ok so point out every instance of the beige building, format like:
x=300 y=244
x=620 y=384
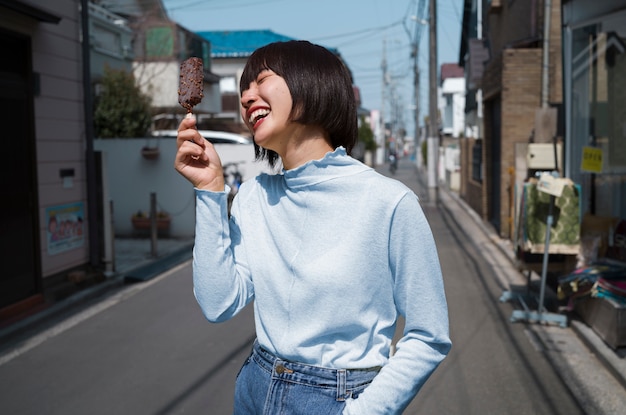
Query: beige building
x=46 y=210
x=503 y=54
x=53 y=215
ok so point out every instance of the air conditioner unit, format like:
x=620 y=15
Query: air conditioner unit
x=540 y=156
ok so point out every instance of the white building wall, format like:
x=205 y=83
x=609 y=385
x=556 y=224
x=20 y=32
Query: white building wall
x=453 y=110
x=160 y=81
x=131 y=179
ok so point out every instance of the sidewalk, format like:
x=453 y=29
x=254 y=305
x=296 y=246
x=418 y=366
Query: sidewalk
x=594 y=373
x=133 y=263
x=134 y=260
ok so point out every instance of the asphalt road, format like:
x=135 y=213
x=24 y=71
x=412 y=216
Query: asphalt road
x=146 y=349
x=494 y=367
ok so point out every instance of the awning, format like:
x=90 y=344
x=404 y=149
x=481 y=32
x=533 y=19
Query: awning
x=31 y=11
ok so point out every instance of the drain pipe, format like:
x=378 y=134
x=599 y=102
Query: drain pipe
x=90 y=160
x=547 y=13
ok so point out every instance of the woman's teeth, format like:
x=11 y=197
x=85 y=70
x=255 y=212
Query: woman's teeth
x=258 y=114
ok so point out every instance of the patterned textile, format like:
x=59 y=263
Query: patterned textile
x=565 y=231
x=601 y=279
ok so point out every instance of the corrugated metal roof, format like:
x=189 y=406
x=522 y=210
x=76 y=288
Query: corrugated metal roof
x=239 y=43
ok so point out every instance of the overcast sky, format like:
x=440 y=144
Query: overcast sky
x=358 y=29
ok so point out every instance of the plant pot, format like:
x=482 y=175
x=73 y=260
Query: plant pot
x=144 y=223
x=150 y=153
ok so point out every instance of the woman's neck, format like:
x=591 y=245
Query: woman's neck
x=309 y=143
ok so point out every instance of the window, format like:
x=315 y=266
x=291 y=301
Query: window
x=598 y=113
x=477 y=161
x=159 y=42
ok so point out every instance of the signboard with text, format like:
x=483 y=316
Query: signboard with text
x=591 y=160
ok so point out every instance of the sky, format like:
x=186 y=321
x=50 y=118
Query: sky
x=363 y=31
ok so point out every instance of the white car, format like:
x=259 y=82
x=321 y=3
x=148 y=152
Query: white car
x=235 y=150
x=215 y=137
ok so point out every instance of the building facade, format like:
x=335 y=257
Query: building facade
x=503 y=42
x=594 y=47
x=452 y=100
x=45 y=215
x=53 y=219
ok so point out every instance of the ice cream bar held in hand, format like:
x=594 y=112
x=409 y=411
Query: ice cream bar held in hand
x=191 y=83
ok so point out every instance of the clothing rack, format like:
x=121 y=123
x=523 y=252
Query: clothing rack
x=551 y=184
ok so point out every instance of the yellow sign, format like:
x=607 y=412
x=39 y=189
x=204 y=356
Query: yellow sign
x=592 y=160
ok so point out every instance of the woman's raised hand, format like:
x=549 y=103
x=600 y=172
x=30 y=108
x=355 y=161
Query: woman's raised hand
x=196 y=158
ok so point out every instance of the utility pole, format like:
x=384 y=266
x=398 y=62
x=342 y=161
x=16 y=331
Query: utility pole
x=380 y=151
x=414 y=40
x=416 y=88
x=433 y=127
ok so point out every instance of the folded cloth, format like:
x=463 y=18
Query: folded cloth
x=566 y=214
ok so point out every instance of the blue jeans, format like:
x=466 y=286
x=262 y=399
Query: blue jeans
x=267 y=385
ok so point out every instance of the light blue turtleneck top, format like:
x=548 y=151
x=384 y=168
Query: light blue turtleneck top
x=332 y=253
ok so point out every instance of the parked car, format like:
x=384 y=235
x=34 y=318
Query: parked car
x=215 y=137
x=236 y=152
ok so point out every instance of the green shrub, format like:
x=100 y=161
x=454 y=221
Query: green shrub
x=121 y=109
x=366 y=135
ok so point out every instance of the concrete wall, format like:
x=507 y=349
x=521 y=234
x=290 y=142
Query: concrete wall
x=131 y=179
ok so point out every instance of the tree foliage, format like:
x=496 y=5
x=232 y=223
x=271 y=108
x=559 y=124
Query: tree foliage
x=121 y=109
x=366 y=135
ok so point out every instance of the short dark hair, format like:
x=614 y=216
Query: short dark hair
x=320 y=85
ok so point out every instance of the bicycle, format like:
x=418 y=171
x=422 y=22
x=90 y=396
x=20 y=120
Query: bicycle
x=233 y=177
x=393 y=163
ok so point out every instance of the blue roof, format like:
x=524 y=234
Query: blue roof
x=239 y=43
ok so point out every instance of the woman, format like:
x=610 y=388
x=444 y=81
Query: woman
x=330 y=251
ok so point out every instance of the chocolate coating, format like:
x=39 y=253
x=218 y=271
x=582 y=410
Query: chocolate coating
x=190 y=89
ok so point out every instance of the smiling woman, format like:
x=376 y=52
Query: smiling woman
x=306 y=94
x=295 y=240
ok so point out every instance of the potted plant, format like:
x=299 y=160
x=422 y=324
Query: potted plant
x=142 y=221
x=150 y=153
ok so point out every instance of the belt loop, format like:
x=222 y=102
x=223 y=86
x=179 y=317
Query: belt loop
x=341 y=385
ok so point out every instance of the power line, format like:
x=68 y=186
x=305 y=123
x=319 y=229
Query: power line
x=377 y=29
x=230 y=5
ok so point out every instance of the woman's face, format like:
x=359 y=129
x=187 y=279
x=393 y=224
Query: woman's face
x=265 y=109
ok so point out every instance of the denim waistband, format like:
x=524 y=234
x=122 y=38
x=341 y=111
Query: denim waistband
x=342 y=379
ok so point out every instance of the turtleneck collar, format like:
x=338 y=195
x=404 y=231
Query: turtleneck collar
x=334 y=164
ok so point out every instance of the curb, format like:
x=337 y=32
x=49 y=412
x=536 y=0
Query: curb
x=26 y=326
x=59 y=310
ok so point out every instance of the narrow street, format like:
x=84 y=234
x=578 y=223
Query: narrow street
x=494 y=366
x=146 y=349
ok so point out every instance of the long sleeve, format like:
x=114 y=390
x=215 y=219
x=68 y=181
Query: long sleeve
x=222 y=284
x=420 y=298
x=332 y=253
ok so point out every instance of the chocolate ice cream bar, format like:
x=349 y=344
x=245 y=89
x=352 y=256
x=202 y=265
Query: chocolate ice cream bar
x=191 y=83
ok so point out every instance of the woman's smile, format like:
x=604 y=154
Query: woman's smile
x=266 y=109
